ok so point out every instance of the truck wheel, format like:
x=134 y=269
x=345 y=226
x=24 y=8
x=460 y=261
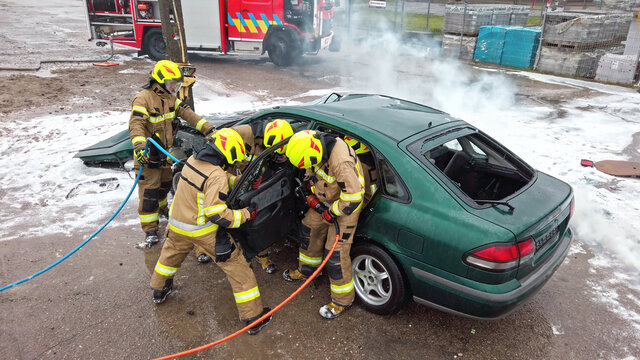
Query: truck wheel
x=336 y=44
x=153 y=44
x=282 y=51
x=377 y=279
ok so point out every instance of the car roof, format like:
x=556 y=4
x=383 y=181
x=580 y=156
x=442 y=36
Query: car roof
x=392 y=117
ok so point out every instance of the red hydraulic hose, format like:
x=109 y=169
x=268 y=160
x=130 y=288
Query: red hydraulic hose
x=283 y=303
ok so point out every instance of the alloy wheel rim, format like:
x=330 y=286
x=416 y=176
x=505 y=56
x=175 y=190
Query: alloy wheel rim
x=371 y=280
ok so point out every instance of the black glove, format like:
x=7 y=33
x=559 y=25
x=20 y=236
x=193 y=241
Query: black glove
x=253 y=210
x=143 y=159
x=224 y=247
x=328 y=216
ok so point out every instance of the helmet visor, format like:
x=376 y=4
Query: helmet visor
x=173 y=86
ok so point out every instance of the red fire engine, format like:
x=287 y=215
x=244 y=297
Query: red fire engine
x=285 y=29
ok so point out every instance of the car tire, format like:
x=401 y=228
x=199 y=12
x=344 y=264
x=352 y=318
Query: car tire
x=378 y=281
x=153 y=44
x=282 y=50
x=174 y=182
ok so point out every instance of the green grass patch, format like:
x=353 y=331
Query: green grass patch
x=372 y=18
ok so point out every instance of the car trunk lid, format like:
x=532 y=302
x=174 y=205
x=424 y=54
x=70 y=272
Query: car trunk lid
x=540 y=211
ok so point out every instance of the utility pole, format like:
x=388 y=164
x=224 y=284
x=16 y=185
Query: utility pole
x=174 y=39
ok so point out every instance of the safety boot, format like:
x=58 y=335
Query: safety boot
x=257 y=327
x=151 y=238
x=204 y=258
x=332 y=310
x=163 y=213
x=159 y=296
x=294 y=275
x=266 y=264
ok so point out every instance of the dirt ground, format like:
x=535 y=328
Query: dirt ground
x=97 y=304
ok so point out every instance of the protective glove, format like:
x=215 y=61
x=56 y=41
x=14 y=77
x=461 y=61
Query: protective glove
x=224 y=247
x=143 y=159
x=253 y=211
x=328 y=216
x=256 y=184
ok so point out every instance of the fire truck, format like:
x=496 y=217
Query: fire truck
x=285 y=29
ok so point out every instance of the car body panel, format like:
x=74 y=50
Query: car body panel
x=423 y=222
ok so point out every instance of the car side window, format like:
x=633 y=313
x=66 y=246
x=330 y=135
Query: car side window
x=391 y=182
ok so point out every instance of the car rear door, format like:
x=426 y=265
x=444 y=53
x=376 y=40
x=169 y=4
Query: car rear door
x=275 y=198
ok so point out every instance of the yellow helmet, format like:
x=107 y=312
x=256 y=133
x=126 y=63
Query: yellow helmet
x=230 y=144
x=304 y=149
x=276 y=131
x=359 y=147
x=166 y=70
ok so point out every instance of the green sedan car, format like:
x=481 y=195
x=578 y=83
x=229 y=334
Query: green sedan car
x=458 y=222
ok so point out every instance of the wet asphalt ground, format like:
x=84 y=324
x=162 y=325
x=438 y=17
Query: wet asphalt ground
x=97 y=304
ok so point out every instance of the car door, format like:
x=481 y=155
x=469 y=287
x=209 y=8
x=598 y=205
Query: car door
x=275 y=198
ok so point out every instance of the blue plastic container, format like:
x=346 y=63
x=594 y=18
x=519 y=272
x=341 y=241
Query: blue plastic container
x=520 y=46
x=490 y=44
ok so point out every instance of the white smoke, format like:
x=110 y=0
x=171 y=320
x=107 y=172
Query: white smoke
x=592 y=128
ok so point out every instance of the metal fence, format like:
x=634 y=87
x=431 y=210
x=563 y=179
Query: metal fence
x=592 y=39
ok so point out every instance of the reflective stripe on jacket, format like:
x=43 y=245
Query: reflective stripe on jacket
x=153 y=111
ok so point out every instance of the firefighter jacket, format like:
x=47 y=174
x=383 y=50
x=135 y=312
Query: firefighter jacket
x=199 y=205
x=337 y=179
x=253 y=147
x=154 y=112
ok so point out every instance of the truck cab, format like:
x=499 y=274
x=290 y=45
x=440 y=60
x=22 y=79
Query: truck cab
x=284 y=29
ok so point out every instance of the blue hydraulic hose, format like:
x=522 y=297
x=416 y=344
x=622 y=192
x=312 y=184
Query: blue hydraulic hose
x=100 y=229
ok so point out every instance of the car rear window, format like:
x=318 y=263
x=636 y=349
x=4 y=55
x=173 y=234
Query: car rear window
x=473 y=163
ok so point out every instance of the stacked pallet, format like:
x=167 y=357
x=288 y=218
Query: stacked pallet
x=466 y=21
x=507 y=45
x=574 y=43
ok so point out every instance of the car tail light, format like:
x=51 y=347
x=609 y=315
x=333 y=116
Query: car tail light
x=501 y=257
x=572 y=207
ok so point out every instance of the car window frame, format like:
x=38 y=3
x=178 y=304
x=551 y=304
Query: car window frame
x=377 y=158
x=416 y=150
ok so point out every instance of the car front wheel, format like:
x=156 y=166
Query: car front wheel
x=377 y=279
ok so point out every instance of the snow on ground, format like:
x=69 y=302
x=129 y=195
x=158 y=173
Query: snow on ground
x=39 y=171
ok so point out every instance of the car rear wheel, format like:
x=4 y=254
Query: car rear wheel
x=377 y=279
x=174 y=182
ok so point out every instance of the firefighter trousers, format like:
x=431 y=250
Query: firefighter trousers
x=153 y=187
x=317 y=239
x=239 y=273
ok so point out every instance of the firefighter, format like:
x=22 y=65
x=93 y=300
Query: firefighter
x=368 y=167
x=258 y=136
x=337 y=185
x=199 y=216
x=155 y=112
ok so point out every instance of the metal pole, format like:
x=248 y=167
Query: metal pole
x=464 y=18
x=544 y=17
x=428 y=14
x=402 y=17
x=349 y=4
x=395 y=15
